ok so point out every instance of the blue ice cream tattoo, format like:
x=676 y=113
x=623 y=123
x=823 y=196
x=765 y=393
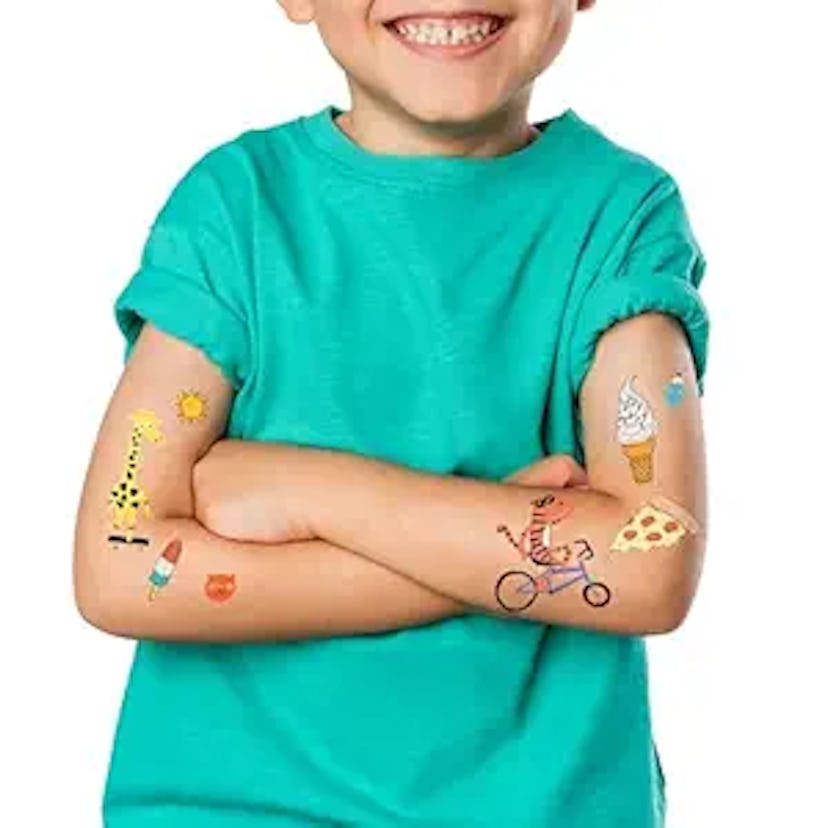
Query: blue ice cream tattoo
x=675 y=391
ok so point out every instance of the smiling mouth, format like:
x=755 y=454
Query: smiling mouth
x=452 y=36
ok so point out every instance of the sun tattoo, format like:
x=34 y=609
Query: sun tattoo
x=191 y=406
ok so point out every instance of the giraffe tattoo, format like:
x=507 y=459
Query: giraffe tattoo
x=535 y=540
x=127 y=498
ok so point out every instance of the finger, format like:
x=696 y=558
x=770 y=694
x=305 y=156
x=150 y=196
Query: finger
x=551 y=471
x=577 y=475
x=559 y=471
x=571 y=473
x=544 y=473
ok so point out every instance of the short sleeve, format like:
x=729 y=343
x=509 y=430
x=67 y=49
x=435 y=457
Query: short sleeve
x=655 y=266
x=189 y=281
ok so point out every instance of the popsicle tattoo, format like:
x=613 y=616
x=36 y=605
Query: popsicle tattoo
x=636 y=431
x=535 y=541
x=164 y=568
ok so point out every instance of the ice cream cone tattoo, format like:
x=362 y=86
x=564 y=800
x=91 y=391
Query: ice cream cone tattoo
x=659 y=523
x=535 y=541
x=127 y=497
x=220 y=588
x=164 y=568
x=636 y=431
x=191 y=406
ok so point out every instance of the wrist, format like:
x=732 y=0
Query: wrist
x=343 y=490
x=322 y=477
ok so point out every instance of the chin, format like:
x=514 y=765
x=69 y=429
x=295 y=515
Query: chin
x=448 y=108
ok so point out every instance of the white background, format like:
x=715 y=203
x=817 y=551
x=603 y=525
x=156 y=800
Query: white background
x=106 y=103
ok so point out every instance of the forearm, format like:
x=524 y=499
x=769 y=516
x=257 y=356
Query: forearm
x=443 y=532
x=223 y=591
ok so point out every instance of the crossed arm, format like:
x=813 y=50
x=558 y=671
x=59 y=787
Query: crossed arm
x=239 y=545
x=169 y=407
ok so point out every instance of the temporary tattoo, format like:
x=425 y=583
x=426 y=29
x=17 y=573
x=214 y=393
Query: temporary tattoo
x=658 y=523
x=517 y=590
x=164 y=568
x=636 y=431
x=535 y=540
x=675 y=390
x=127 y=497
x=559 y=555
x=115 y=539
x=220 y=588
x=191 y=406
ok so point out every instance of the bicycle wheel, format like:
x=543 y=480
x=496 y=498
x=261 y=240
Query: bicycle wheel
x=515 y=590
x=597 y=594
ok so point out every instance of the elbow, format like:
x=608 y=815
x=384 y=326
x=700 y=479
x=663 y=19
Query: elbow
x=100 y=607
x=670 y=591
x=96 y=610
x=93 y=610
x=670 y=613
x=667 y=608
x=85 y=593
x=110 y=619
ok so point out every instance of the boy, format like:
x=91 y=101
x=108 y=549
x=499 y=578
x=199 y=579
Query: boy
x=378 y=602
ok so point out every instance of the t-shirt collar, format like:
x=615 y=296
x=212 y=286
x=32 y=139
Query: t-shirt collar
x=340 y=148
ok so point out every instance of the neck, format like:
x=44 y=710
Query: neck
x=386 y=128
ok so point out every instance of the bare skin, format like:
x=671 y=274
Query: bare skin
x=398 y=548
x=410 y=103
x=293 y=590
x=442 y=531
x=390 y=547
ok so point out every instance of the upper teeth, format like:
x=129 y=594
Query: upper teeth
x=446 y=33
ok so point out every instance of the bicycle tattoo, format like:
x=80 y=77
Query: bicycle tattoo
x=563 y=565
x=517 y=590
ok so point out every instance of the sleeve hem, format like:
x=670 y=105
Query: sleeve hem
x=186 y=313
x=632 y=296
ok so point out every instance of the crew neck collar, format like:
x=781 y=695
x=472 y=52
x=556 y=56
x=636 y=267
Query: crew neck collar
x=328 y=137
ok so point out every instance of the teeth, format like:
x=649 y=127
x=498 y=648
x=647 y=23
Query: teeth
x=449 y=33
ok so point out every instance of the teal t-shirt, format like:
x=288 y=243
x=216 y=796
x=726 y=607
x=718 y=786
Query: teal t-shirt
x=437 y=312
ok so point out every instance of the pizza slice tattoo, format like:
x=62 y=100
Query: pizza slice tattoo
x=659 y=523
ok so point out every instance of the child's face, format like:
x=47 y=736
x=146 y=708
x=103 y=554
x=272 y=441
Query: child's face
x=438 y=69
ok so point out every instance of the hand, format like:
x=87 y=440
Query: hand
x=254 y=491
x=558 y=471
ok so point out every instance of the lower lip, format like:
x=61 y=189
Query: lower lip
x=443 y=50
